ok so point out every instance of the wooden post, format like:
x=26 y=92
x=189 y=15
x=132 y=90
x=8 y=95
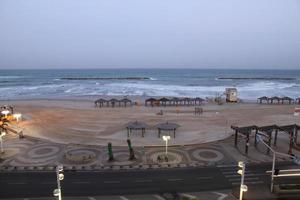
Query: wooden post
x=235 y=138
x=174 y=132
x=291 y=143
x=269 y=142
x=127 y=132
x=275 y=139
x=159 y=133
x=255 y=140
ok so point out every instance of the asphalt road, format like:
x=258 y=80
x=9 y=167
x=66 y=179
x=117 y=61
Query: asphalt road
x=85 y=183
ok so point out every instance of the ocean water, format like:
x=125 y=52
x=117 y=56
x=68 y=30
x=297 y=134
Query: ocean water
x=28 y=84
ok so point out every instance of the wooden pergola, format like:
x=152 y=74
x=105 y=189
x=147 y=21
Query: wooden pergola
x=125 y=101
x=267 y=132
x=100 y=103
x=167 y=127
x=136 y=125
x=275 y=98
x=264 y=98
x=151 y=101
x=287 y=99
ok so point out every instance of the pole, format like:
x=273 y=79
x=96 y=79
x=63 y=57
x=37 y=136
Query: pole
x=242 y=182
x=273 y=169
x=58 y=184
x=1 y=144
x=166 y=147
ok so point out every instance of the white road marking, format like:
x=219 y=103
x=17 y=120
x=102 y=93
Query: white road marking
x=16 y=183
x=248 y=183
x=222 y=196
x=246 y=179
x=143 y=181
x=158 y=197
x=175 y=179
x=91 y=198
x=123 y=198
x=207 y=177
x=48 y=182
x=81 y=182
x=110 y=182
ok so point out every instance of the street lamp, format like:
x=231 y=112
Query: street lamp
x=59 y=176
x=17 y=116
x=166 y=138
x=241 y=171
x=296 y=158
x=5 y=112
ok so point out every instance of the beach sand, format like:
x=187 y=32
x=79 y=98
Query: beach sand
x=78 y=121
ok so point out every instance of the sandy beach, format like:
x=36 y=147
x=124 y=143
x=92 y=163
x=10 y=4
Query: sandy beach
x=78 y=121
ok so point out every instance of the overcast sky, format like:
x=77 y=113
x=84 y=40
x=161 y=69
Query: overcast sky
x=150 y=33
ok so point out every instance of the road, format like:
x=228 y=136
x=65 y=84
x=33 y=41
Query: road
x=86 y=183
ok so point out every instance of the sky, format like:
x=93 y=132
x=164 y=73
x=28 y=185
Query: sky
x=242 y=34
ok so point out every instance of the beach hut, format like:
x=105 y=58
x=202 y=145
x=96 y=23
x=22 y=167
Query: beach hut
x=167 y=127
x=264 y=98
x=151 y=101
x=136 y=125
x=287 y=99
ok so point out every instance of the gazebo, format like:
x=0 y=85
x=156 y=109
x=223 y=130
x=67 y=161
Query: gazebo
x=174 y=101
x=264 y=98
x=136 y=125
x=167 y=127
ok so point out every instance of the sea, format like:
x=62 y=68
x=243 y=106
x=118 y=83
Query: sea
x=60 y=83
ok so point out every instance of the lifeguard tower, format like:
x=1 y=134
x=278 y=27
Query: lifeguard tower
x=231 y=95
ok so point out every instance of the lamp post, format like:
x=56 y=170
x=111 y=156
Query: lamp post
x=5 y=112
x=241 y=171
x=260 y=139
x=3 y=133
x=17 y=116
x=166 y=138
x=59 y=176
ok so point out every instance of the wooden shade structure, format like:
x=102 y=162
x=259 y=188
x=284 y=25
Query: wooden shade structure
x=264 y=98
x=287 y=99
x=113 y=102
x=267 y=132
x=175 y=101
x=167 y=127
x=136 y=125
x=276 y=99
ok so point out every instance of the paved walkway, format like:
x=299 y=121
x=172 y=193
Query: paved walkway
x=34 y=152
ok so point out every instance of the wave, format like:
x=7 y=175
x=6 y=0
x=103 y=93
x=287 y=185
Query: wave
x=11 y=77
x=247 y=91
x=256 y=78
x=105 y=78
